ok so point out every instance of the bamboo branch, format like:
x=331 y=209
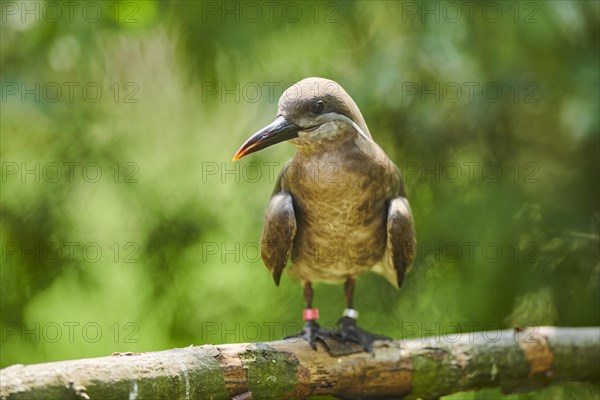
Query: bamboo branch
x=427 y=368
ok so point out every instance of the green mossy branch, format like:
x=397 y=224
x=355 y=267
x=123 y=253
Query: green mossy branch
x=419 y=368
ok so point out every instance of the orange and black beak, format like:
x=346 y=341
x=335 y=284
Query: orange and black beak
x=277 y=131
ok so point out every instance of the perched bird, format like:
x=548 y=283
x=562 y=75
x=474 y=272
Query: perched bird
x=339 y=206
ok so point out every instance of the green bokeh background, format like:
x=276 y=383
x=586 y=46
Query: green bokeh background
x=503 y=175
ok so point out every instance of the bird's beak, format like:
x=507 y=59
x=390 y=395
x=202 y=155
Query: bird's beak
x=277 y=131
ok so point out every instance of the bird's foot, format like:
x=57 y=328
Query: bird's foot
x=312 y=332
x=349 y=331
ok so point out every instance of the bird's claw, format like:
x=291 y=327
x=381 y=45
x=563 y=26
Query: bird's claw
x=312 y=332
x=349 y=331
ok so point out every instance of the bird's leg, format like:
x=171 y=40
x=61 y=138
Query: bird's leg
x=308 y=294
x=348 y=330
x=312 y=331
x=349 y=293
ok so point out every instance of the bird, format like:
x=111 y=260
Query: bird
x=339 y=207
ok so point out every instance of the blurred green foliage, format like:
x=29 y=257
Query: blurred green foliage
x=491 y=112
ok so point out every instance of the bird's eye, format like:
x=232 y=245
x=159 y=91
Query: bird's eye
x=318 y=107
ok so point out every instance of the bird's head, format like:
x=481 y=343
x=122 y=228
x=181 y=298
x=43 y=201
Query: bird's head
x=311 y=113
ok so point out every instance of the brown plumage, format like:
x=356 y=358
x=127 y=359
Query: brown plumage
x=339 y=207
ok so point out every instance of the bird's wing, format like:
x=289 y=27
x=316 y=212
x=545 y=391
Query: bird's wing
x=279 y=230
x=401 y=240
